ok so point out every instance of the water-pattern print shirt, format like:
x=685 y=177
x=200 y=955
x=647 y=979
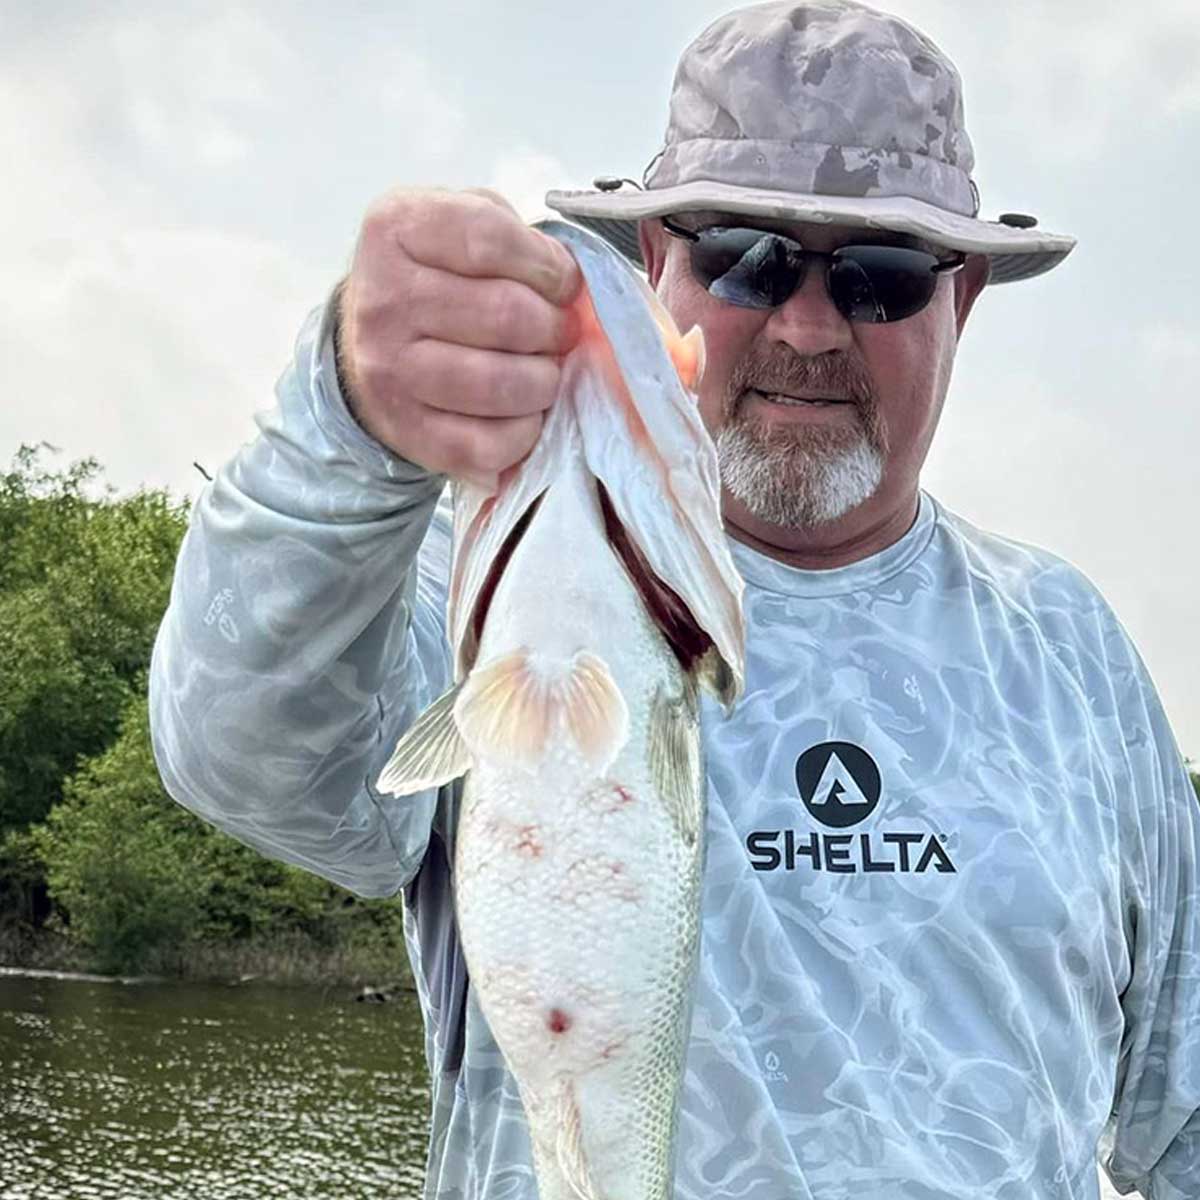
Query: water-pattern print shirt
x=951 y=928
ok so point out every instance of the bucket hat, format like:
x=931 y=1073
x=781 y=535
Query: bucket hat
x=829 y=112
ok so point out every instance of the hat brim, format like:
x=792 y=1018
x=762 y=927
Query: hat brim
x=1014 y=253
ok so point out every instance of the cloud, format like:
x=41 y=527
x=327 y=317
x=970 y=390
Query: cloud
x=524 y=176
x=1170 y=345
x=1076 y=77
x=130 y=329
x=186 y=88
x=1047 y=444
x=56 y=190
x=125 y=333
x=149 y=349
x=409 y=91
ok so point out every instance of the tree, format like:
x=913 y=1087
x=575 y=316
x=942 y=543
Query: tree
x=84 y=581
x=85 y=578
x=119 y=853
x=140 y=880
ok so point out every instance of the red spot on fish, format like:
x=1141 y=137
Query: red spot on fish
x=528 y=844
x=608 y=797
x=558 y=1021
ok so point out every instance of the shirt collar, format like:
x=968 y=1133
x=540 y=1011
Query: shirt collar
x=769 y=573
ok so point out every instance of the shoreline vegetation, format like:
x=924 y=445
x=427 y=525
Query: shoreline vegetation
x=101 y=872
x=285 y=960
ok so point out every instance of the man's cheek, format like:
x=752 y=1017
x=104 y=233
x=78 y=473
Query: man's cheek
x=711 y=413
x=714 y=381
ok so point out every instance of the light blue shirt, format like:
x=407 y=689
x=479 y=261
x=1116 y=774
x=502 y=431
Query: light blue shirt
x=951 y=928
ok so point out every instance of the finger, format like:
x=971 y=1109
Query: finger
x=474 y=447
x=494 y=196
x=470 y=235
x=481 y=383
x=489 y=314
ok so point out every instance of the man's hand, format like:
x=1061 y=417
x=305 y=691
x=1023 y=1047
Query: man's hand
x=451 y=328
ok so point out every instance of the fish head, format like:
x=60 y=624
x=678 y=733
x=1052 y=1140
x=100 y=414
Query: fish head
x=686 y=351
x=627 y=412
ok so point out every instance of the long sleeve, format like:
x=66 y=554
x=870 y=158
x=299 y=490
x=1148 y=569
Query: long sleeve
x=1152 y=1141
x=305 y=632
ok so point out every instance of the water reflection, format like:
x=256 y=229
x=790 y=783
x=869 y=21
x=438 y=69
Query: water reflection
x=167 y=1091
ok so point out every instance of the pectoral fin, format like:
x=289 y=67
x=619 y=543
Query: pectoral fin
x=430 y=754
x=688 y=355
x=674 y=751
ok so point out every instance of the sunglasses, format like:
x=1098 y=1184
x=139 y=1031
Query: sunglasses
x=869 y=283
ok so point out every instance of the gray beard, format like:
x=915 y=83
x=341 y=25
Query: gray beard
x=797 y=477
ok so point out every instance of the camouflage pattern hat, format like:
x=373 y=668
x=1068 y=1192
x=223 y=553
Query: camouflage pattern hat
x=828 y=112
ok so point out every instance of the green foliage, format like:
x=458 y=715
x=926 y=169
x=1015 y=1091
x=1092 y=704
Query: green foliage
x=140 y=880
x=84 y=581
x=20 y=878
x=117 y=853
x=136 y=881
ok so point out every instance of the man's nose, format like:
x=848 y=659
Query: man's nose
x=808 y=321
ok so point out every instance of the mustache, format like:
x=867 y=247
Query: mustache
x=780 y=369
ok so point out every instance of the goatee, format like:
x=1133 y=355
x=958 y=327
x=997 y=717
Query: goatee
x=795 y=475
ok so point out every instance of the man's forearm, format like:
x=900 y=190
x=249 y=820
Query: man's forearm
x=288 y=659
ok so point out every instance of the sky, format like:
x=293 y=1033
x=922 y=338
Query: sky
x=190 y=179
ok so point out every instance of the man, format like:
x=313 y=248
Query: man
x=950 y=913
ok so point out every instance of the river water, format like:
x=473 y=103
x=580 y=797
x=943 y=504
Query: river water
x=193 y=1092
x=167 y=1092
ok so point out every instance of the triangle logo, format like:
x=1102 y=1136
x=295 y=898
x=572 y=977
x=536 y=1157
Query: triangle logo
x=837 y=785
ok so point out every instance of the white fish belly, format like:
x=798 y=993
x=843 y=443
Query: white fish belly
x=577 y=901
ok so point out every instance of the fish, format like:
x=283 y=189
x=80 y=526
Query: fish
x=592 y=600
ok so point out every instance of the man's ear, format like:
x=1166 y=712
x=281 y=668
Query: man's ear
x=653 y=241
x=968 y=283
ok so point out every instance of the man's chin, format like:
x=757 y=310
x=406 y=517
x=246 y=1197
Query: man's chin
x=800 y=485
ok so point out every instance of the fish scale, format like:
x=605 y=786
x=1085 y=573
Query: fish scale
x=574 y=719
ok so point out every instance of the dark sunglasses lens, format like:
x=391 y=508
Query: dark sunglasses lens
x=874 y=284
x=747 y=267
